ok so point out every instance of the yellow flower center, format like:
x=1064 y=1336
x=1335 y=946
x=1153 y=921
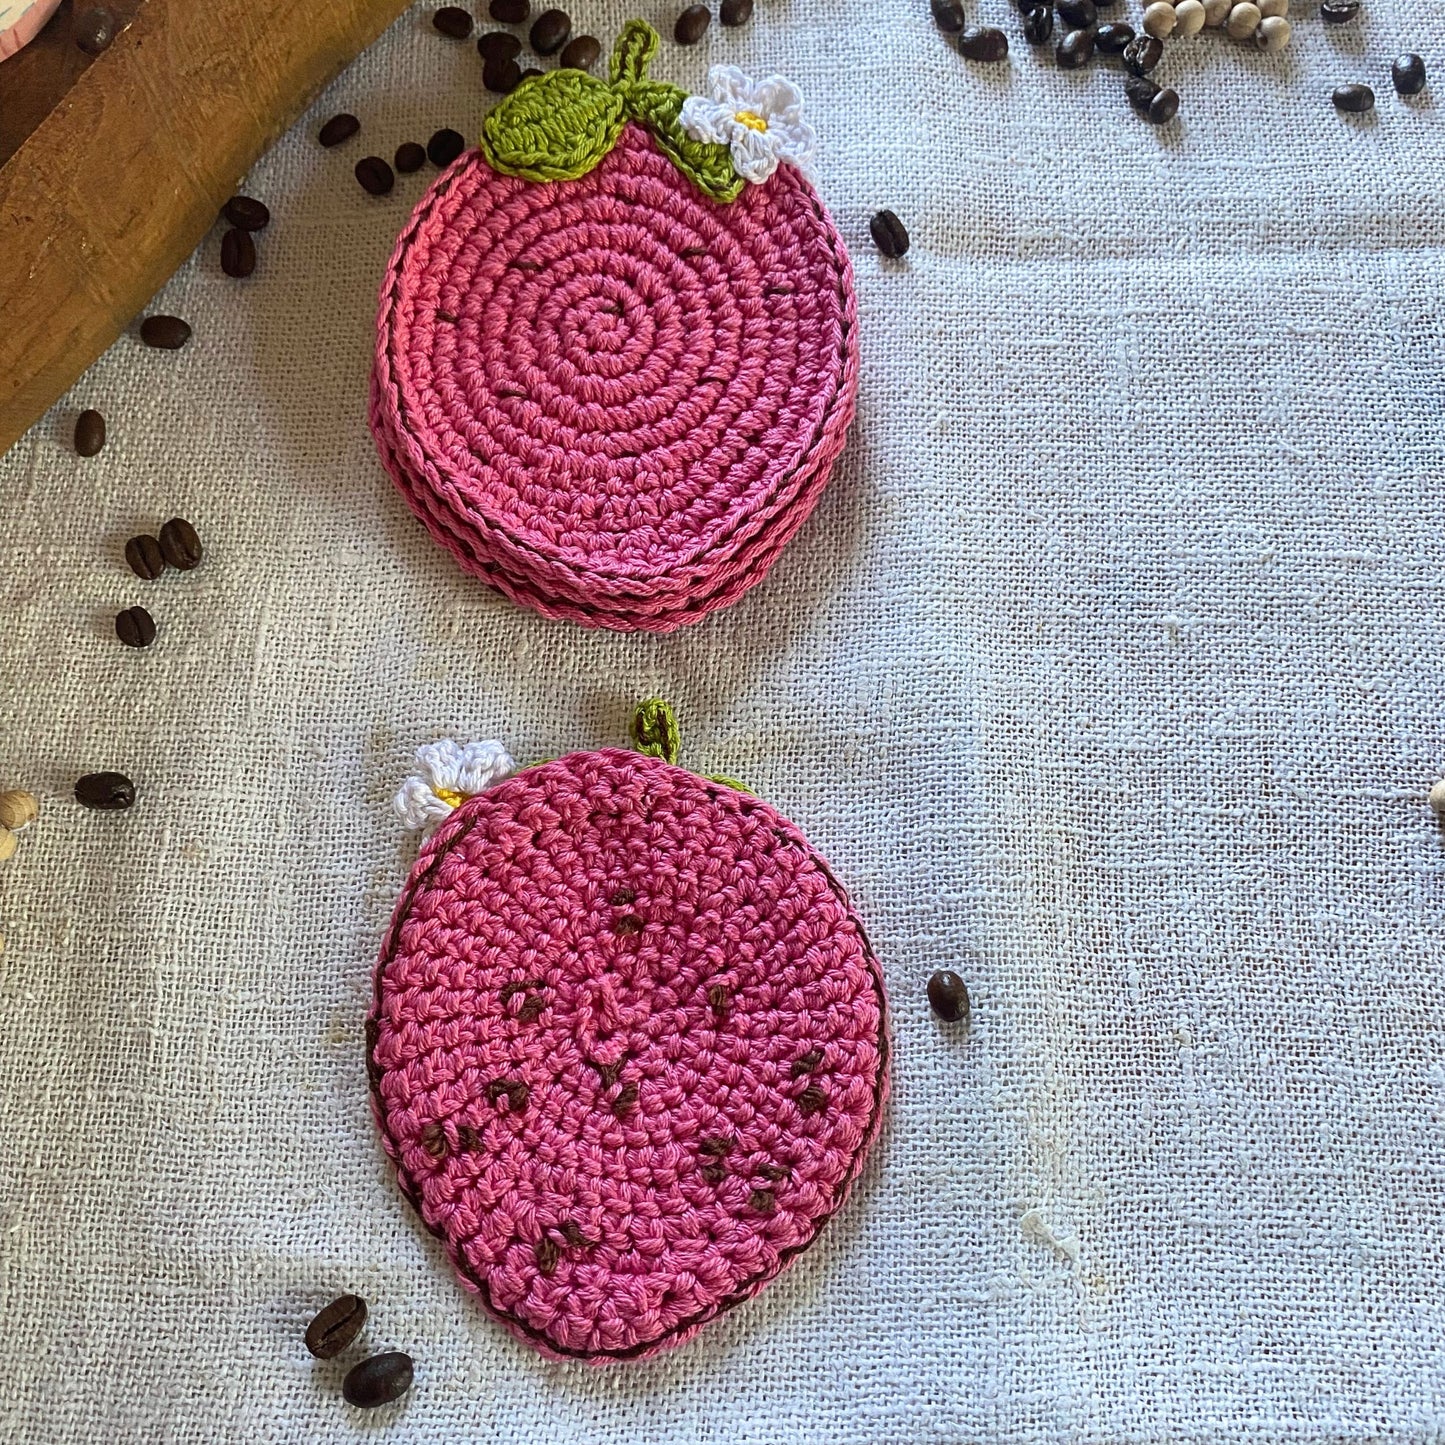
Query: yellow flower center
x=450 y=798
x=751 y=119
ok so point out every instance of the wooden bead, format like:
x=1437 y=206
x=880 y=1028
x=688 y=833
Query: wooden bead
x=1269 y=8
x=1273 y=33
x=1437 y=797
x=1188 y=18
x=18 y=809
x=1243 y=20
x=8 y=844
x=1216 y=12
x=1159 y=20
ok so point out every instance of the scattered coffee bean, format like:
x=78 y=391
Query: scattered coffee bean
x=374 y=175
x=1140 y=90
x=336 y=1326
x=238 y=253
x=452 y=20
x=1408 y=73
x=18 y=809
x=498 y=45
x=445 y=146
x=1075 y=50
x=247 y=213
x=1163 y=108
x=1354 y=99
x=180 y=544
x=501 y=77
x=1038 y=25
x=735 y=12
x=94 y=29
x=530 y=71
x=948 y=997
x=582 y=52
x=106 y=792
x=510 y=12
x=889 y=233
x=168 y=333
x=1113 y=38
x=409 y=157
x=983 y=42
x=551 y=30
x=948 y=15
x=337 y=129
x=378 y=1381
x=1078 y=14
x=1339 y=12
x=1159 y=19
x=1142 y=54
x=135 y=627
x=145 y=558
x=89 y=433
x=691 y=25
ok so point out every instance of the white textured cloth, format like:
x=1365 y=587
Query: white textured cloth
x=1108 y=672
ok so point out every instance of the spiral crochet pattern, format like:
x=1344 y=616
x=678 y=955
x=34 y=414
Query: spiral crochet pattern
x=628 y=1049
x=613 y=398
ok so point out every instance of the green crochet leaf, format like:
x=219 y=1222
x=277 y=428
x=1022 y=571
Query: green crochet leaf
x=709 y=167
x=553 y=127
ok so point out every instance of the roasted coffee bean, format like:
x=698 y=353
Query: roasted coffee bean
x=1353 y=99
x=445 y=146
x=691 y=25
x=889 y=233
x=135 y=627
x=1078 y=14
x=948 y=997
x=498 y=45
x=1076 y=49
x=247 y=213
x=735 y=12
x=105 y=792
x=948 y=15
x=180 y=544
x=378 y=1381
x=144 y=557
x=1142 y=54
x=169 y=333
x=529 y=72
x=1408 y=73
x=551 y=30
x=983 y=42
x=1140 y=91
x=337 y=129
x=1038 y=25
x=582 y=52
x=1111 y=39
x=1339 y=12
x=238 y=253
x=501 y=77
x=1163 y=108
x=89 y=433
x=510 y=12
x=409 y=157
x=94 y=29
x=374 y=175
x=336 y=1326
x=454 y=21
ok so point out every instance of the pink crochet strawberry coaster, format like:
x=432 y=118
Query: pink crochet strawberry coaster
x=628 y=1048
x=617 y=351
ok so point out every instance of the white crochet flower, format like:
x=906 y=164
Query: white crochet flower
x=761 y=121
x=448 y=774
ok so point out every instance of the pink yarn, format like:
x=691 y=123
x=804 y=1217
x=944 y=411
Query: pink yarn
x=615 y=399
x=628 y=1049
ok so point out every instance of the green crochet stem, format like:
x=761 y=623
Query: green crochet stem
x=654 y=729
x=559 y=126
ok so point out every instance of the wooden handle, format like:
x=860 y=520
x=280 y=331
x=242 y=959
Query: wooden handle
x=123 y=179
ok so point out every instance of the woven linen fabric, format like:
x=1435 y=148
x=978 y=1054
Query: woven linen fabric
x=1107 y=671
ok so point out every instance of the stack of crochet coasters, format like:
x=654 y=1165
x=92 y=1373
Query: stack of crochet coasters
x=614 y=397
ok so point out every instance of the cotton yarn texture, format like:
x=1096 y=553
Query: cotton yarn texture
x=1107 y=671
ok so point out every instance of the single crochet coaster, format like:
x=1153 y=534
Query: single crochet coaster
x=616 y=360
x=628 y=1048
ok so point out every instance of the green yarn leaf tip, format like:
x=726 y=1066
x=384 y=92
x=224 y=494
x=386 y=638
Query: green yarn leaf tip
x=708 y=166
x=636 y=45
x=553 y=127
x=654 y=730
